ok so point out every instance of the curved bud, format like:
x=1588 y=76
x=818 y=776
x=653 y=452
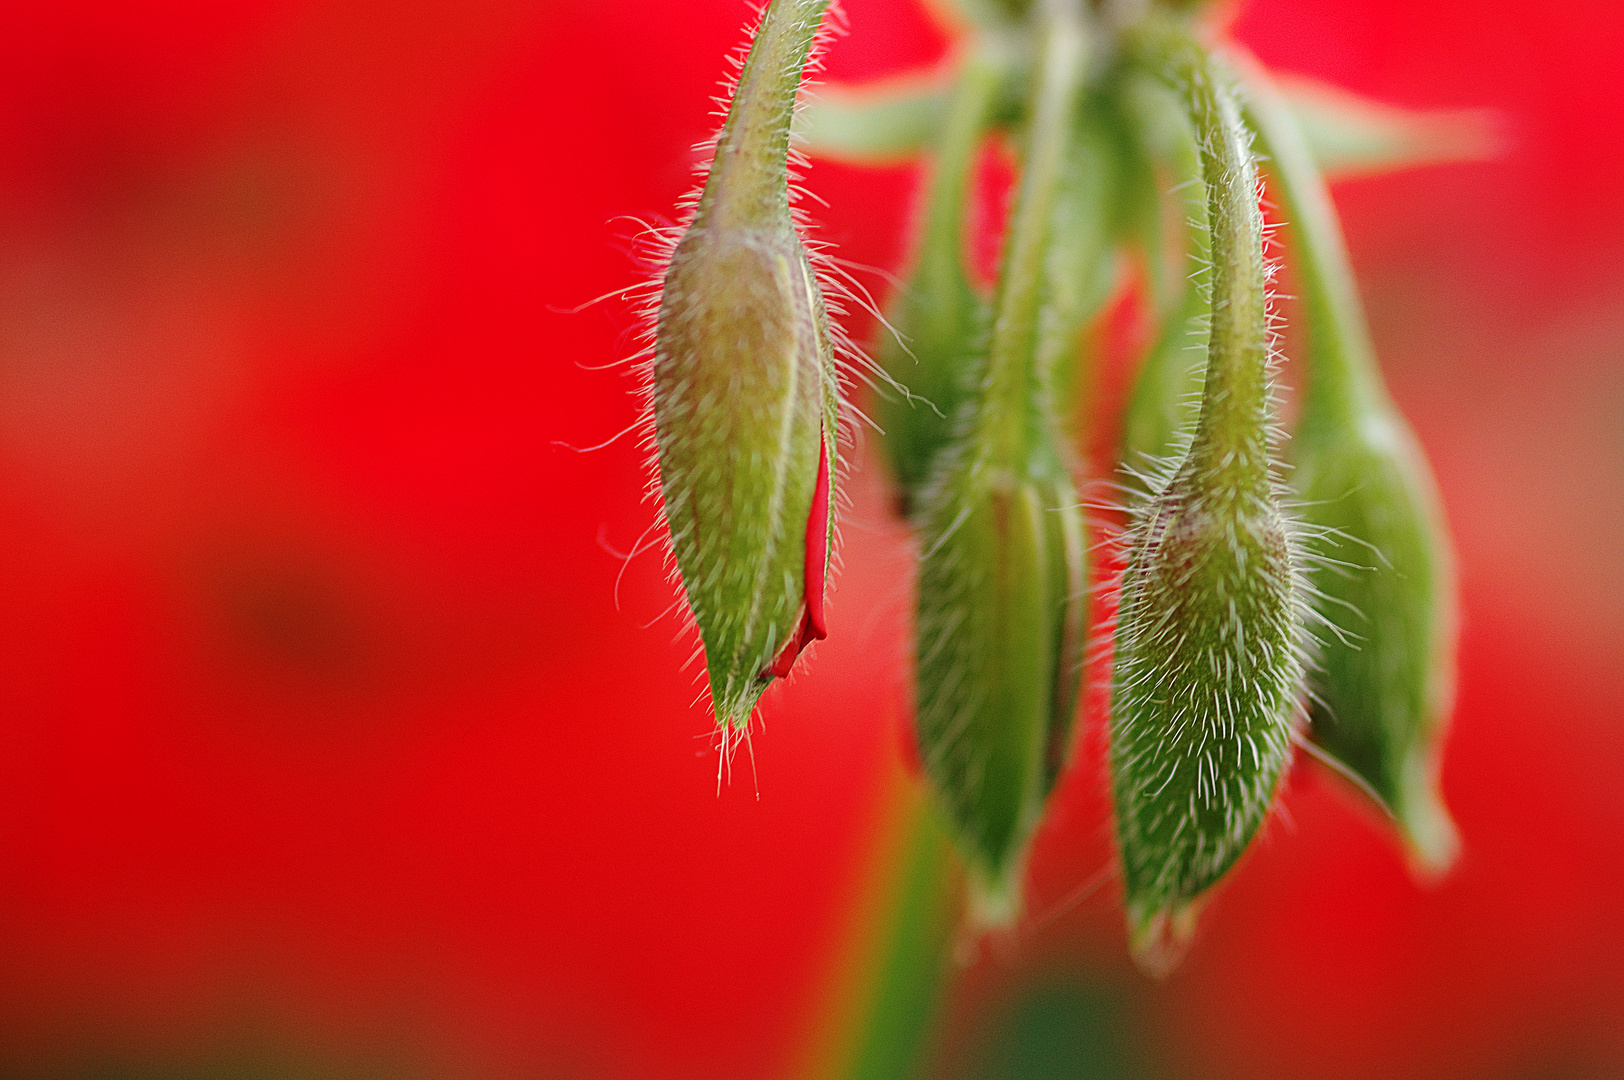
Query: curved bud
x=1385 y=587
x=1208 y=633
x=744 y=391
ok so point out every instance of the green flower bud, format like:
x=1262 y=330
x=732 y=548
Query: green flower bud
x=1000 y=636
x=1384 y=684
x=745 y=391
x=1208 y=632
x=1385 y=585
x=1000 y=617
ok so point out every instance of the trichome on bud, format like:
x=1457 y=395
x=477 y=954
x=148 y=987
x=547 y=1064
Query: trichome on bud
x=745 y=391
x=1207 y=663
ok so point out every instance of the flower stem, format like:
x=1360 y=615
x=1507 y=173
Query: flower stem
x=1343 y=376
x=941 y=252
x=1231 y=437
x=1009 y=391
x=749 y=178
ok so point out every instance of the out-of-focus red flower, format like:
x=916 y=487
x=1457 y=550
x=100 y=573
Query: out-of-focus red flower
x=323 y=740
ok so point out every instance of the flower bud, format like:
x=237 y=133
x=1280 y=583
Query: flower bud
x=1000 y=618
x=1000 y=635
x=1205 y=678
x=1384 y=584
x=1208 y=631
x=745 y=393
x=1384 y=680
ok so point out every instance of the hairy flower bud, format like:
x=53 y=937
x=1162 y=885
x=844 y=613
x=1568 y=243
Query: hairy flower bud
x=1208 y=633
x=1000 y=635
x=745 y=391
x=1385 y=583
x=1384 y=683
x=1000 y=616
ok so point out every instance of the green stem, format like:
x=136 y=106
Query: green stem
x=1231 y=435
x=1008 y=393
x=941 y=253
x=1171 y=374
x=910 y=977
x=1343 y=376
x=748 y=183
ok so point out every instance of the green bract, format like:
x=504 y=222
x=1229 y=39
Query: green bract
x=745 y=391
x=1385 y=677
x=1207 y=649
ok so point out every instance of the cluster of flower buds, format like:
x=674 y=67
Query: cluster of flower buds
x=1259 y=610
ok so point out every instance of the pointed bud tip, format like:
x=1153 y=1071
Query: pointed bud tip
x=995 y=899
x=1430 y=836
x=1160 y=939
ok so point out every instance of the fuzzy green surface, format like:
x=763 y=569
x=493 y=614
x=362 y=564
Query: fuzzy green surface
x=1383 y=686
x=1168 y=385
x=743 y=406
x=1209 y=629
x=1205 y=674
x=998 y=635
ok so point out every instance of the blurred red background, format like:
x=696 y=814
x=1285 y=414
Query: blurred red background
x=328 y=749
